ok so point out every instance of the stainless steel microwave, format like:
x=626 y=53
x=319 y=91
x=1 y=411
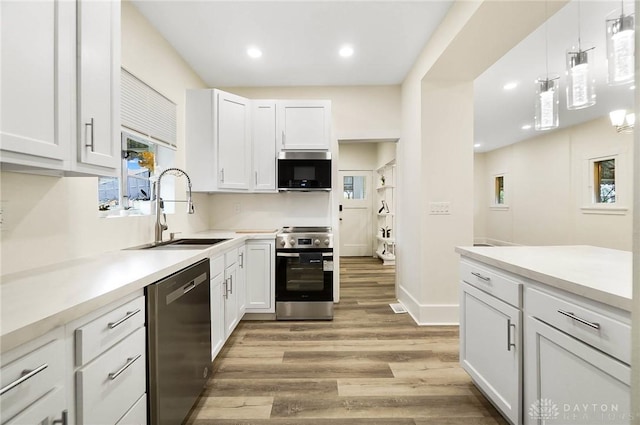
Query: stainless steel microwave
x=304 y=171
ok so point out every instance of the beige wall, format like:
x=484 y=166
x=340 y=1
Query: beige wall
x=358 y=156
x=49 y=219
x=548 y=187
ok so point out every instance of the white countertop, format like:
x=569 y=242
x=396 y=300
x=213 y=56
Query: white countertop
x=600 y=274
x=36 y=301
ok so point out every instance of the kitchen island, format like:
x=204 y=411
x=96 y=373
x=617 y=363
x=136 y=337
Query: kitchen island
x=545 y=331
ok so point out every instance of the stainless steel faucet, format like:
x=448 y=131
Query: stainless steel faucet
x=160 y=227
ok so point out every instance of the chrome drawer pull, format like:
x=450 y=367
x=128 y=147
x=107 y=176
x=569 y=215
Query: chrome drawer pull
x=479 y=276
x=64 y=420
x=26 y=374
x=130 y=361
x=509 y=343
x=570 y=315
x=129 y=315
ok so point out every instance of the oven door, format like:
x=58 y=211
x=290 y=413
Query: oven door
x=304 y=276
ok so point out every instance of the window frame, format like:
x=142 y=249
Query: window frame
x=494 y=202
x=590 y=206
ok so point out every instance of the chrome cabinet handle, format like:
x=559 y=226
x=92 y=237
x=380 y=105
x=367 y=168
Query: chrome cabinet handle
x=231 y=285
x=222 y=175
x=256 y=178
x=242 y=260
x=509 y=343
x=26 y=375
x=89 y=124
x=64 y=420
x=129 y=315
x=570 y=315
x=479 y=276
x=130 y=361
x=226 y=289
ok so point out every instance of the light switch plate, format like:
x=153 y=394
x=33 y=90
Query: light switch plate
x=439 y=208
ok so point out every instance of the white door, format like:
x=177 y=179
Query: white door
x=355 y=215
x=304 y=124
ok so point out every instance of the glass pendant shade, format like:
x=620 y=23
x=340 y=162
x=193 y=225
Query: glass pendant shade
x=546 y=117
x=581 y=92
x=620 y=49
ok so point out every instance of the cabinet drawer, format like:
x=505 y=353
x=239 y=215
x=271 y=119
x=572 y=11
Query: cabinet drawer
x=137 y=415
x=592 y=325
x=492 y=281
x=45 y=368
x=44 y=411
x=231 y=257
x=107 y=388
x=216 y=266
x=102 y=333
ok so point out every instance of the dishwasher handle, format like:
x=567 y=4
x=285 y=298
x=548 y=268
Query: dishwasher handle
x=185 y=289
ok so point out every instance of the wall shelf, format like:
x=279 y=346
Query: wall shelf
x=386 y=246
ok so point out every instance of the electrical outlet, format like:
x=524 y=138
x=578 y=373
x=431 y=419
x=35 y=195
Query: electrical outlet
x=439 y=208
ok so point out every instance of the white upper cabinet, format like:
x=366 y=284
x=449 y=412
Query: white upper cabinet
x=304 y=124
x=60 y=86
x=37 y=83
x=264 y=145
x=218 y=147
x=98 y=85
x=233 y=140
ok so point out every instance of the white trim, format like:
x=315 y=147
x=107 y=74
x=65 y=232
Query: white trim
x=499 y=207
x=606 y=209
x=429 y=314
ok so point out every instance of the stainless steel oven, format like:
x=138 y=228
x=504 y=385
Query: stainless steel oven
x=304 y=273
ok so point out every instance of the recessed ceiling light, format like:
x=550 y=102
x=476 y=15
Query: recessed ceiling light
x=510 y=86
x=526 y=127
x=632 y=87
x=254 y=52
x=477 y=145
x=346 y=51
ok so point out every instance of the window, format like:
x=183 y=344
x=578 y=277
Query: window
x=354 y=187
x=604 y=174
x=499 y=190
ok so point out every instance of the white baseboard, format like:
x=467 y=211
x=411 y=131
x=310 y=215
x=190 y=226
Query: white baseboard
x=429 y=314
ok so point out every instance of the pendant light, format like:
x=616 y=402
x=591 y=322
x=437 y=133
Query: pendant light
x=546 y=117
x=580 y=84
x=620 y=48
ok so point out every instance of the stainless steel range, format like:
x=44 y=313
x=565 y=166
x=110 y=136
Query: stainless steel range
x=304 y=273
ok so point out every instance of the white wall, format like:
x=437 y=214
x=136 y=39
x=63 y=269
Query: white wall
x=548 y=186
x=358 y=156
x=437 y=136
x=48 y=219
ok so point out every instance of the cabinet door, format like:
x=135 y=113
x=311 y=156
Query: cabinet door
x=260 y=283
x=304 y=124
x=234 y=141
x=241 y=284
x=264 y=145
x=37 y=58
x=98 y=85
x=218 y=296
x=231 y=301
x=490 y=348
x=568 y=381
x=44 y=411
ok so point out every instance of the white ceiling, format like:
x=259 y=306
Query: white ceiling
x=300 y=40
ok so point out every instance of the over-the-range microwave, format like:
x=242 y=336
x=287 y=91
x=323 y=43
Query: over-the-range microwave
x=304 y=171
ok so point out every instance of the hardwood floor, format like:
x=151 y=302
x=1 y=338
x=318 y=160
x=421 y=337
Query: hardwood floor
x=367 y=366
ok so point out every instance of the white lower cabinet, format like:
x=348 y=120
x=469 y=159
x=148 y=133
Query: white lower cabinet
x=231 y=312
x=576 y=362
x=260 y=276
x=137 y=415
x=217 y=314
x=570 y=363
x=109 y=367
x=32 y=381
x=490 y=348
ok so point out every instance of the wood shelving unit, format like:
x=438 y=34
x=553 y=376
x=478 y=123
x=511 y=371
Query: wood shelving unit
x=386 y=249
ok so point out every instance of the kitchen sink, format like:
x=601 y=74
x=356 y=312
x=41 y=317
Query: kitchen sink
x=186 y=243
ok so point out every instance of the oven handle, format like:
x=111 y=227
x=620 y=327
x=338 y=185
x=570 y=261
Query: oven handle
x=297 y=254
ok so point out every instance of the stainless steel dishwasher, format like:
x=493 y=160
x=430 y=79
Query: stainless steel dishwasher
x=178 y=342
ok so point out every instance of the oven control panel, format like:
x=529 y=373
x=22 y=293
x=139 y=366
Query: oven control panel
x=309 y=241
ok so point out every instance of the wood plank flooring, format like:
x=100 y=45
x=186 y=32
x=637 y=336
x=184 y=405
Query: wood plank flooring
x=367 y=366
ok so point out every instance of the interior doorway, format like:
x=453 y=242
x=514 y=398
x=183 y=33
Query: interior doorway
x=356 y=238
